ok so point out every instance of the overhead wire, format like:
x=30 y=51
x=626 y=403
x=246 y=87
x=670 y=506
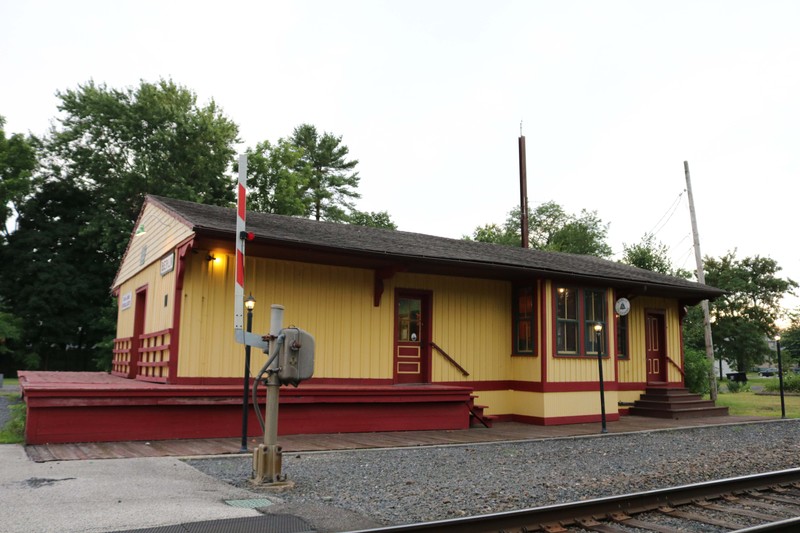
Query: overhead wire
x=668 y=214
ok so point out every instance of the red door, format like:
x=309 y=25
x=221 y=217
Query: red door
x=655 y=353
x=412 y=337
x=138 y=330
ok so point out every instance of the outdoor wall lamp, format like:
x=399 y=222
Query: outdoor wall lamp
x=598 y=331
x=250 y=304
x=780 y=374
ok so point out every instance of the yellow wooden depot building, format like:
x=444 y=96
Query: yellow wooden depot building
x=412 y=331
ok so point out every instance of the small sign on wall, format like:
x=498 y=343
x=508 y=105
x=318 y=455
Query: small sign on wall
x=167 y=264
x=126 y=301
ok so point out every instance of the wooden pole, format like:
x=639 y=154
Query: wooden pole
x=701 y=277
x=523 y=190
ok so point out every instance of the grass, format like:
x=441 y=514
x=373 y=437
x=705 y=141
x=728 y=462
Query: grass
x=14 y=430
x=10 y=381
x=752 y=404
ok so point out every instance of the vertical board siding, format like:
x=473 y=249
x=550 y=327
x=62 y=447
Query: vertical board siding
x=471 y=322
x=580 y=368
x=162 y=233
x=334 y=304
x=157 y=315
x=354 y=339
x=633 y=369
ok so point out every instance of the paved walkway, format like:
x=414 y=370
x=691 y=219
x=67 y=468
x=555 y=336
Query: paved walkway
x=502 y=431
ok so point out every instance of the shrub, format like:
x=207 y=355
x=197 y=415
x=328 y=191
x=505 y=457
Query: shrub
x=737 y=386
x=791 y=383
x=697 y=367
x=14 y=430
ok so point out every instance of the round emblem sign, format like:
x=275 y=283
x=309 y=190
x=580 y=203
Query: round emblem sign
x=622 y=307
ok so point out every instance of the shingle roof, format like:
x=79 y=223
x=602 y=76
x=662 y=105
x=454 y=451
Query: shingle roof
x=433 y=249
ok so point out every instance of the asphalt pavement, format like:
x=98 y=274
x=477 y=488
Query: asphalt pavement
x=109 y=495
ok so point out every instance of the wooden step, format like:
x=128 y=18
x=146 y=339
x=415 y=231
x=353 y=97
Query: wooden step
x=474 y=422
x=477 y=418
x=676 y=403
x=677 y=414
x=683 y=404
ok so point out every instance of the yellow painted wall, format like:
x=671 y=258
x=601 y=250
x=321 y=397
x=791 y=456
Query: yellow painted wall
x=566 y=369
x=563 y=404
x=354 y=339
x=158 y=315
x=162 y=233
x=471 y=322
x=634 y=369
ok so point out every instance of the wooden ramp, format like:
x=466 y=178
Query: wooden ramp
x=500 y=432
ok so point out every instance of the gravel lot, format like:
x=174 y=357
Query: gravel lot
x=407 y=485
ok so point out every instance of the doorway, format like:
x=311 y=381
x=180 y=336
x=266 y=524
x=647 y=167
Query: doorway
x=656 y=350
x=412 y=338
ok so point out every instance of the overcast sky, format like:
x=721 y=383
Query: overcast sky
x=428 y=96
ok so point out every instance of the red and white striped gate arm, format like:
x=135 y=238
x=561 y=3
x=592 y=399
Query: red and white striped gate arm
x=241 y=211
x=242 y=337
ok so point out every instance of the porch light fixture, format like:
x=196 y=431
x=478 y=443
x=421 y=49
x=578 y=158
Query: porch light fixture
x=598 y=331
x=780 y=374
x=250 y=304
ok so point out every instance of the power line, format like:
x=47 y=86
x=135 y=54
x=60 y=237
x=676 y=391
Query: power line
x=668 y=215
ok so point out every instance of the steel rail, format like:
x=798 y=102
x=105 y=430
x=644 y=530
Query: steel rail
x=628 y=503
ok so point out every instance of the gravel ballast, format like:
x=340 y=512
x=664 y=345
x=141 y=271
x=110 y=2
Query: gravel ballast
x=405 y=485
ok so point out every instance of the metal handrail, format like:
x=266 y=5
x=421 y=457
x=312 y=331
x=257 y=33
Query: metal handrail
x=676 y=366
x=452 y=361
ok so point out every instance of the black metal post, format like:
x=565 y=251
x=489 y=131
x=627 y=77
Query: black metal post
x=780 y=377
x=246 y=388
x=602 y=387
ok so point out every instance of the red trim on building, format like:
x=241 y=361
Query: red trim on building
x=360 y=382
x=95 y=406
x=177 y=304
x=543 y=328
x=563 y=420
x=534 y=386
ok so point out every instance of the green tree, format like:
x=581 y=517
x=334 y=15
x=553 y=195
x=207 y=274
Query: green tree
x=18 y=161
x=105 y=152
x=56 y=280
x=276 y=184
x=332 y=182
x=551 y=228
x=584 y=234
x=123 y=144
x=492 y=233
x=790 y=341
x=648 y=254
x=744 y=318
x=652 y=255
x=380 y=219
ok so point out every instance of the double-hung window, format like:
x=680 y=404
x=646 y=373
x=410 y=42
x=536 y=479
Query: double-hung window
x=524 y=321
x=622 y=336
x=578 y=311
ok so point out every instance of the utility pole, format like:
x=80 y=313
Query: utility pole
x=523 y=189
x=701 y=277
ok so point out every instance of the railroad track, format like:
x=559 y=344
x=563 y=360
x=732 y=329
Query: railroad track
x=756 y=503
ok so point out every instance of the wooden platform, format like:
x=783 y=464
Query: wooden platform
x=65 y=407
x=500 y=432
